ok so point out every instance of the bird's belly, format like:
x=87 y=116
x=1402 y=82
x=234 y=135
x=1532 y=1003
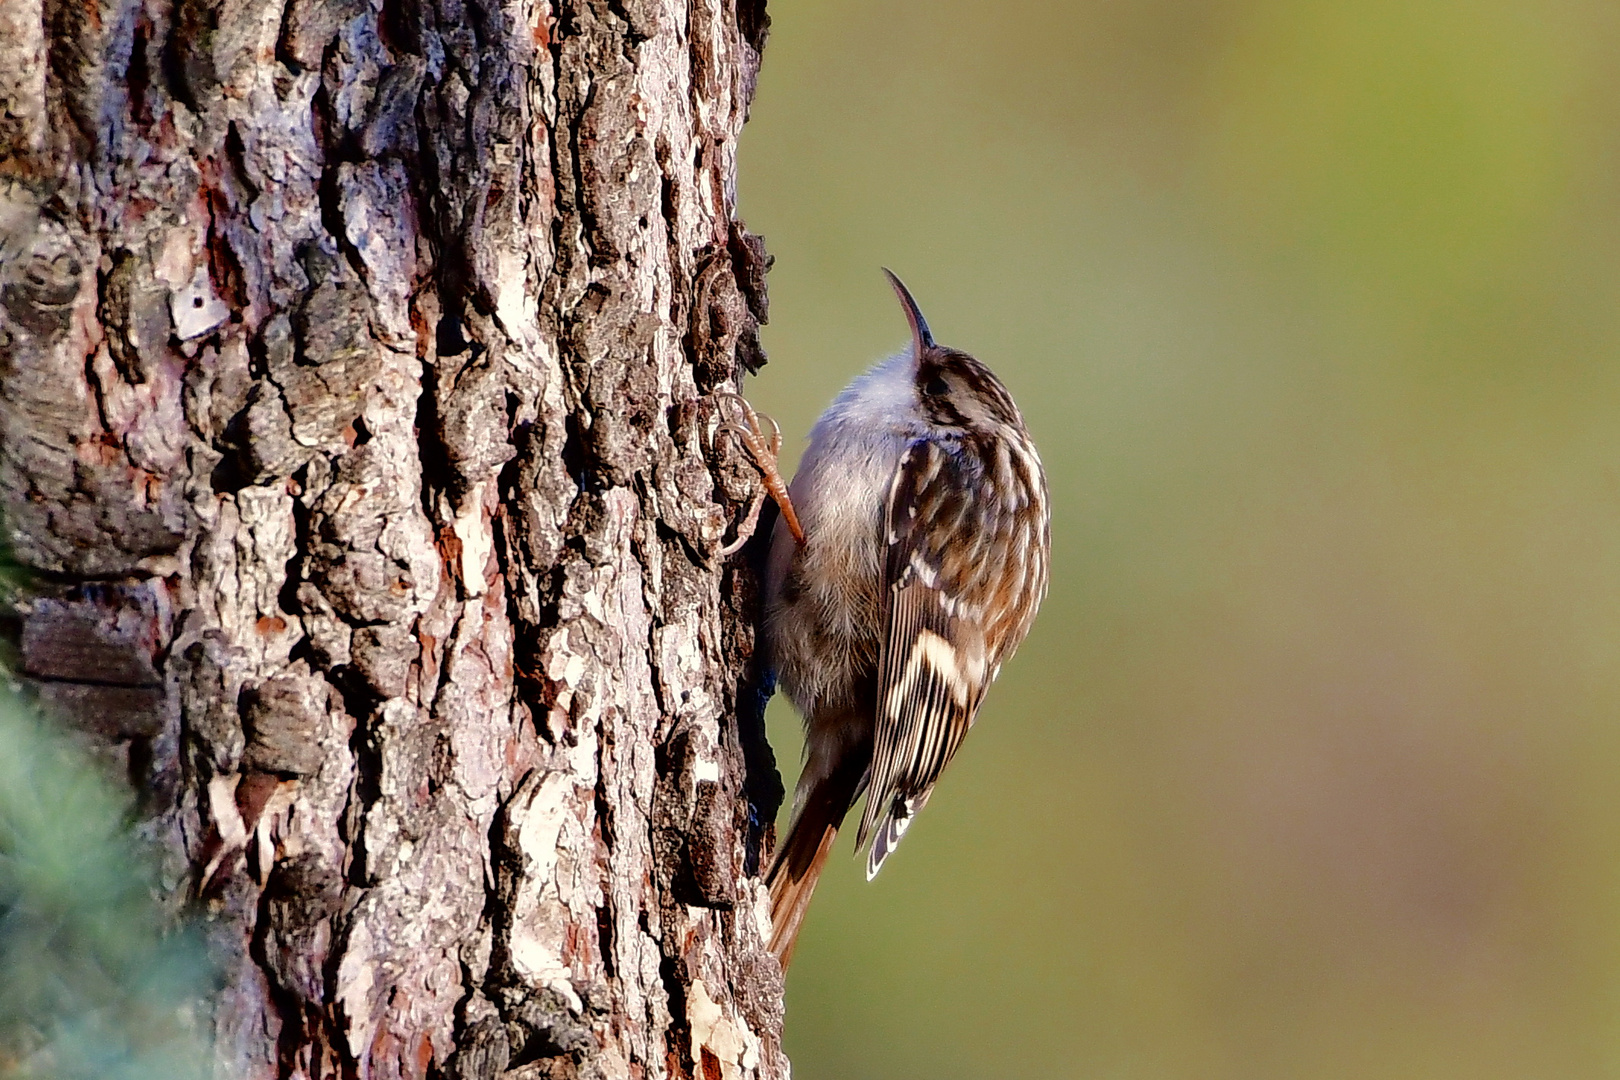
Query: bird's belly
x=824 y=640
x=825 y=626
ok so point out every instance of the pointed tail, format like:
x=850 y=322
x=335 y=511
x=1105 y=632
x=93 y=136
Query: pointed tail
x=800 y=857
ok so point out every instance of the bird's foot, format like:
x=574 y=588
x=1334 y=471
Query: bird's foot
x=763 y=451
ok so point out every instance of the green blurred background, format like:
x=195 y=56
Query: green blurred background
x=1311 y=766
x=96 y=980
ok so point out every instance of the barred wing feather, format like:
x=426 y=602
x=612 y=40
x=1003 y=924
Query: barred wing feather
x=933 y=665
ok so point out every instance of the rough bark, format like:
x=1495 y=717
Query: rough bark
x=354 y=369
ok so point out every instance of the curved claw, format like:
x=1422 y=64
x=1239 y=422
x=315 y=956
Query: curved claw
x=745 y=531
x=762 y=452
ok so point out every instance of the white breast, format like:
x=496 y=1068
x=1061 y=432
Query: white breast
x=821 y=638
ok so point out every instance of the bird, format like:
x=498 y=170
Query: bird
x=906 y=567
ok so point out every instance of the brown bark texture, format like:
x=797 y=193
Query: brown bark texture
x=359 y=363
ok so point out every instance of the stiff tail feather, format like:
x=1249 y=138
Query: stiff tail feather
x=800 y=857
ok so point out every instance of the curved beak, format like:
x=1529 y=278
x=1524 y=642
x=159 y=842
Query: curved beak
x=921 y=337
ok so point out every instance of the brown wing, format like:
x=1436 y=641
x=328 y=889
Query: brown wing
x=934 y=662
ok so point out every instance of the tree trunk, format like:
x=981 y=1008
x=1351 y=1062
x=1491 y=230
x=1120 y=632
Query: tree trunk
x=355 y=362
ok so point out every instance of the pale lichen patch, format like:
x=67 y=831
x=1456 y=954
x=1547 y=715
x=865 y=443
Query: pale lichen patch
x=731 y=1042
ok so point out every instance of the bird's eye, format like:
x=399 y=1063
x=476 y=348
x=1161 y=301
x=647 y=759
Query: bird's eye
x=937 y=387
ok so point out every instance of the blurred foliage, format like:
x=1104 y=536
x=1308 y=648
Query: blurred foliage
x=1309 y=768
x=96 y=983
